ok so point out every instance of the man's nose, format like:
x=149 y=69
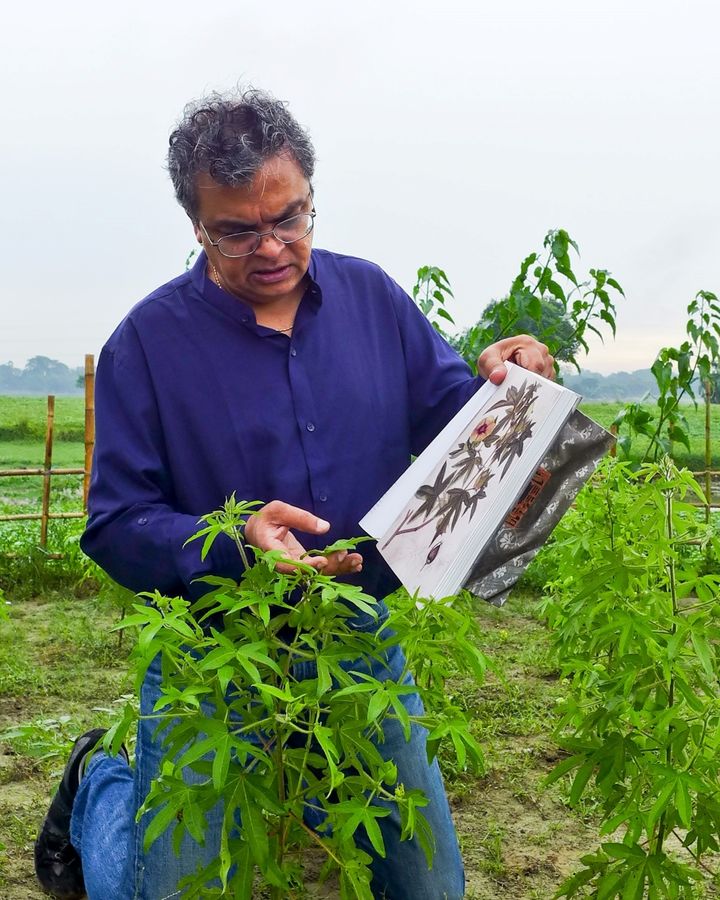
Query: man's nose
x=270 y=246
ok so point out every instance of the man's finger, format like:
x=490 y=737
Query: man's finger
x=343 y=563
x=283 y=514
x=529 y=359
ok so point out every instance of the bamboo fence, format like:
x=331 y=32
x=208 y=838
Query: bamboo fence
x=47 y=471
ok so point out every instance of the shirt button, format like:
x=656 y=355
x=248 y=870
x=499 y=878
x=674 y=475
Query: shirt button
x=310 y=426
x=293 y=351
x=142 y=520
x=323 y=498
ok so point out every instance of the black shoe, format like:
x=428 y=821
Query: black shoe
x=57 y=863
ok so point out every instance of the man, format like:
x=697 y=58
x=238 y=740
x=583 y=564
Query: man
x=294 y=376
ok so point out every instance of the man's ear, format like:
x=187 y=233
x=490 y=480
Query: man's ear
x=198 y=233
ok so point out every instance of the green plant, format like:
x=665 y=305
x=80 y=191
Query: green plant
x=634 y=618
x=267 y=695
x=106 y=588
x=27 y=569
x=542 y=285
x=552 y=326
x=41 y=739
x=431 y=292
x=676 y=371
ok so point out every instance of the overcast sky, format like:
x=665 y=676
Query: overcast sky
x=451 y=134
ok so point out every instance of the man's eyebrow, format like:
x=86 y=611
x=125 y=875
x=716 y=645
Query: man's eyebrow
x=237 y=225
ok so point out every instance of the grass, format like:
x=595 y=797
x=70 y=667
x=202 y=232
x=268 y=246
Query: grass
x=61 y=672
x=20 y=494
x=604 y=413
x=24 y=418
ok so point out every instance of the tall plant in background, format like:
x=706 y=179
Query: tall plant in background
x=677 y=371
x=431 y=292
x=554 y=327
x=546 y=292
x=267 y=695
x=634 y=619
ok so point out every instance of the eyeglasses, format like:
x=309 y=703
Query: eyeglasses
x=246 y=242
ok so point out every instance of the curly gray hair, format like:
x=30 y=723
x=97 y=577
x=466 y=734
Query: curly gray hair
x=229 y=137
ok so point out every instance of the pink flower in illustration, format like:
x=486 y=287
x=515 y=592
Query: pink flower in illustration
x=483 y=430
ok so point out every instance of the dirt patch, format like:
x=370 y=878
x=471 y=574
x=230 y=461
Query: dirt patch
x=512 y=849
x=18 y=829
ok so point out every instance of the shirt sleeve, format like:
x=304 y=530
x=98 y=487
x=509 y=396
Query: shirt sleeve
x=134 y=531
x=440 y=382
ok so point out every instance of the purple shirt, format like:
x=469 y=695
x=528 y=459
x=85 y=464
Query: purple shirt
x=195 y=401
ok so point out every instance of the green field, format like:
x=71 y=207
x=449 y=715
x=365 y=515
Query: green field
x=24 y=418
x=20 y=494
x=604 y=413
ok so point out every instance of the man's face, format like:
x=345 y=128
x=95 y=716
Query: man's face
x=275 y=271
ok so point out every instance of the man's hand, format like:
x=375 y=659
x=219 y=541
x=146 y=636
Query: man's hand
x=270 y=528
x=523 y=350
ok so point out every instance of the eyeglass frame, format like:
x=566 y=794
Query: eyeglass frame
x=260 y=235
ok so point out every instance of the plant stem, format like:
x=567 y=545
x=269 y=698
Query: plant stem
x=546 y=264
x=708 y=455
x=666 y=413
x=660 y=834
x=123 y=612
x=317 y=839
x=240 y=545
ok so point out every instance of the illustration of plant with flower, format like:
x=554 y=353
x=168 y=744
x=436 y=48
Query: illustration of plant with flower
x=462 y=480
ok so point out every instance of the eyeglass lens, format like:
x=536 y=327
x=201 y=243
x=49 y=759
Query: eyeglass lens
x=287 y=231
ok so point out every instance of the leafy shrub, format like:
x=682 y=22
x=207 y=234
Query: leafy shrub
x=270 y=735
x=634 y=614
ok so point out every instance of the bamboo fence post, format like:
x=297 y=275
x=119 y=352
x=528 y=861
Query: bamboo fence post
x=708 y=458
x=89 y=422
x=613 y=431
x=47 y=470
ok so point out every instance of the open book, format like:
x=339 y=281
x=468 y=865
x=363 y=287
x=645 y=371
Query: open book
x=473 y=509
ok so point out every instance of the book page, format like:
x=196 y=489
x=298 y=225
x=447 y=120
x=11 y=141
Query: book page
x=468 y=479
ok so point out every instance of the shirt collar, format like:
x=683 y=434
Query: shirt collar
x=243 y=312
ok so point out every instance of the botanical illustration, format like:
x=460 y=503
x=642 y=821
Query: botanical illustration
x=462 y=480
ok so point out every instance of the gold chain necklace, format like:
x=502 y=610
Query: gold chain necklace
x=216 y=277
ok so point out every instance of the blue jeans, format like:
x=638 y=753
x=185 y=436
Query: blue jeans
x=110 y=843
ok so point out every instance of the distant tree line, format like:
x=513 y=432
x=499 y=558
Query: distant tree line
x=625 y=386
x=41 y=375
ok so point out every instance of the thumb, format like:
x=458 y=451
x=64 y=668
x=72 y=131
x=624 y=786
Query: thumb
x=492 y=367
x=497 y=375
